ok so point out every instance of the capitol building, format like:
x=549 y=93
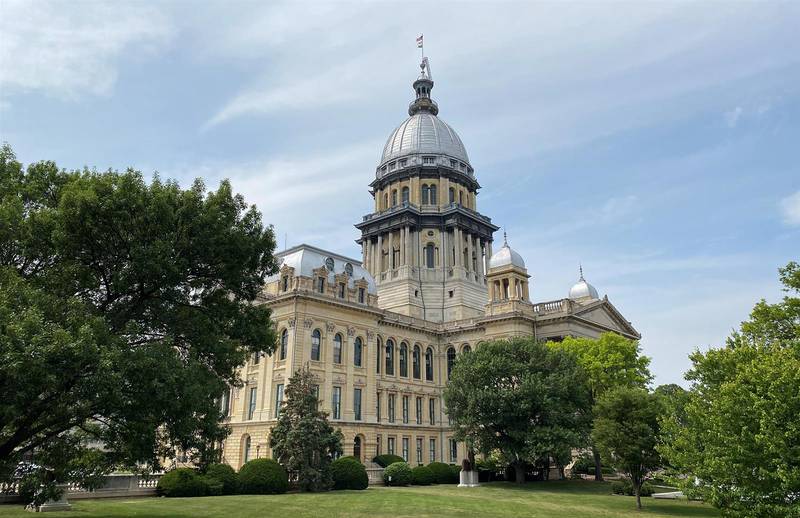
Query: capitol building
x=382 y=333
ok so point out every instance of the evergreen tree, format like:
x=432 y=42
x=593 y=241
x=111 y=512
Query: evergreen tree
x=303 y=441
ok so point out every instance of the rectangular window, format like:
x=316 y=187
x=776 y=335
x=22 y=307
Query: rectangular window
x=419 y=410
x=256 y=358
x=378 y=445
x=432 y=410
x=419 y=450
x=432 y=450
x=405 y=449
x=378 y=406
x=321 y=284
x=316 y=394
x=285 y=283
x=251 y=410
x=225 y=403
x=336 y=403
x=391 y=408
x=357 y=404
x=453 y=450
x=278 y=399
x=341 y=290
x=360 y=295
x=428 y=160
x=390 y=445
x=405 y=409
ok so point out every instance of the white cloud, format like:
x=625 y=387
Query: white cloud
x=732 y=116
x=790 y=207
x=68 y=49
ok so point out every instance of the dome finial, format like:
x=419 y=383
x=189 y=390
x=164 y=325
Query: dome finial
x=580 y=269
x=505 y=238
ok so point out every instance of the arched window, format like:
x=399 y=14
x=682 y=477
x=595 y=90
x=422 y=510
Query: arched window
x=461 y=197
x=357 y=348
x=378 y=356
x=284 y=342
x=246 y=450
x=403 y=360
x=405 y=195
x=415 y=362
x=394 y=197
x=429 y=364
x=452 y=195
x=425 y=194
x=451 y=360
x=357 y=448
x=429 y=255
x=466 y=349
x=386 y=200
x=390 y=357
x=337 y=348
x=433 y=195
x=316 y=338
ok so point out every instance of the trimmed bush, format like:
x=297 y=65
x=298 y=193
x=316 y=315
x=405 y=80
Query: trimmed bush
x=386 y=459
x=182 y=482
x=351 y=457
x=397 y=474
x=646 y=490
x=455 y=473
x=444 y=473
x=422 y=476
x=348 y=473
x=263 y=477
x=221 y=479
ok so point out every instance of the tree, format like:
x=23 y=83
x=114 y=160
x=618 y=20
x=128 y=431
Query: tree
x=519 y=397
x=738 y=438
x=303 y=441
x=626 y=432
x=125 y=310
x=608 y=361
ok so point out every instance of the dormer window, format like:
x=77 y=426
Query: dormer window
x=360 y=295
x=321 y=284
x=462 y=166
x=285 y=283
x=403 y=162
x=341 y=290
x=428 y=160
x=392 y=166
x=453 y=164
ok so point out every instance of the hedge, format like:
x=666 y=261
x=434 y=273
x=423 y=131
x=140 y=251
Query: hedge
x=422 y=476
x=263 y=476
x=386 y=459
x=444 y=473
x=182 y=482
x=221 y=479
x=397 y=474
x=349 y=473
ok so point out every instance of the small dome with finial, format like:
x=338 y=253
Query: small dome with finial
x=506 y=256
x=582 y=289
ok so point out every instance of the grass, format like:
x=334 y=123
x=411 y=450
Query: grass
x=536 y=500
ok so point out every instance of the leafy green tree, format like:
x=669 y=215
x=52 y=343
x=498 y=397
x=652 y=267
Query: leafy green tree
x=125 y=309
x=609 y=361
x=738 y=438
x=303 y=441
x=626 y=431
x=519 y=397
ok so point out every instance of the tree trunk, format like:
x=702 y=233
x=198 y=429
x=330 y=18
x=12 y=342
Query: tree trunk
x=598 y=472
x=519 y=472
x=637 y=488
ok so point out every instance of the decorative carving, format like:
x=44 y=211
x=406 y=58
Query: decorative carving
x=330 y=326
x=351 y=331
x=291 y=322
x=307 y=323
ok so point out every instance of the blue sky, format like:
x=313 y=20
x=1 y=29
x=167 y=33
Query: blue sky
x=656 y=143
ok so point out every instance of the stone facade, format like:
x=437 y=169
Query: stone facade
x=382 y=333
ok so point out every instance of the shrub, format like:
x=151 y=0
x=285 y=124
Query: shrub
x=455 y=472
x=182 y=482
x=621 y=487
x=422 y=476
x=221 y=479
x=353 y=457
x=397 y=474
x=443 y=473
x=263 y=477
x=647 y=489
x=348 y=473
x=386 y=459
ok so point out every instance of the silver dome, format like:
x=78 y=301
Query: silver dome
x=583 y=290
x=506 y=256
x=424 y=133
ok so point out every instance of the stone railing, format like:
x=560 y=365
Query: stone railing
x=375 y=476
x=116 y=485
x=555 y=306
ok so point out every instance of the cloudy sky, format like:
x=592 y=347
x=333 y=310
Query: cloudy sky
x=656 y=143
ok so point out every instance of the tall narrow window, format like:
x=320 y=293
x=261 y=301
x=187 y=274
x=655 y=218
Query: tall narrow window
x=357 y=448
x=394 y=197
x=425 y=195
x=251 y=409
x=432 y=450
x=390 y=357
x=429 y=255
x=405 y=409
x=452 y=195
x=278 y=399
x=285 y=283
x=379 y=355
x=336 y=403
x=429 y=364
x=415 y=361
x=461 y=197
x=405 y=449
x=419 y=410
x=432 y=410
x=357 y=404
x=316 y=338
x=378 y=406
x=246 y=455
x=405 y=195
x=391 y=407
x=256 y=358
x=451 y=360
x=404 y=360
x=337 y=348
x=453 y=450
x=379 y=445
x=284 y=343
x=360 y=295
x=341 y=290
x=321 y=284
x=357 y=350
x=433 y=195
x=390 y=445
x=225 y=403
x=419 y=450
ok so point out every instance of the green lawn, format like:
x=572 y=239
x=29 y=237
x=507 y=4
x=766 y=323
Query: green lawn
x=569 y=499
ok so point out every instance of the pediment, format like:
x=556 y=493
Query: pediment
x=604 y=314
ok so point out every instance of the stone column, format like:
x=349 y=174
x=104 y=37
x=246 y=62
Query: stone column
x=458 y=245
x=391 y=251
x=379 y=256
x=443 y=248
x=402 y=246
x=469 y=252
x=481 y=258
x=488 y=254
